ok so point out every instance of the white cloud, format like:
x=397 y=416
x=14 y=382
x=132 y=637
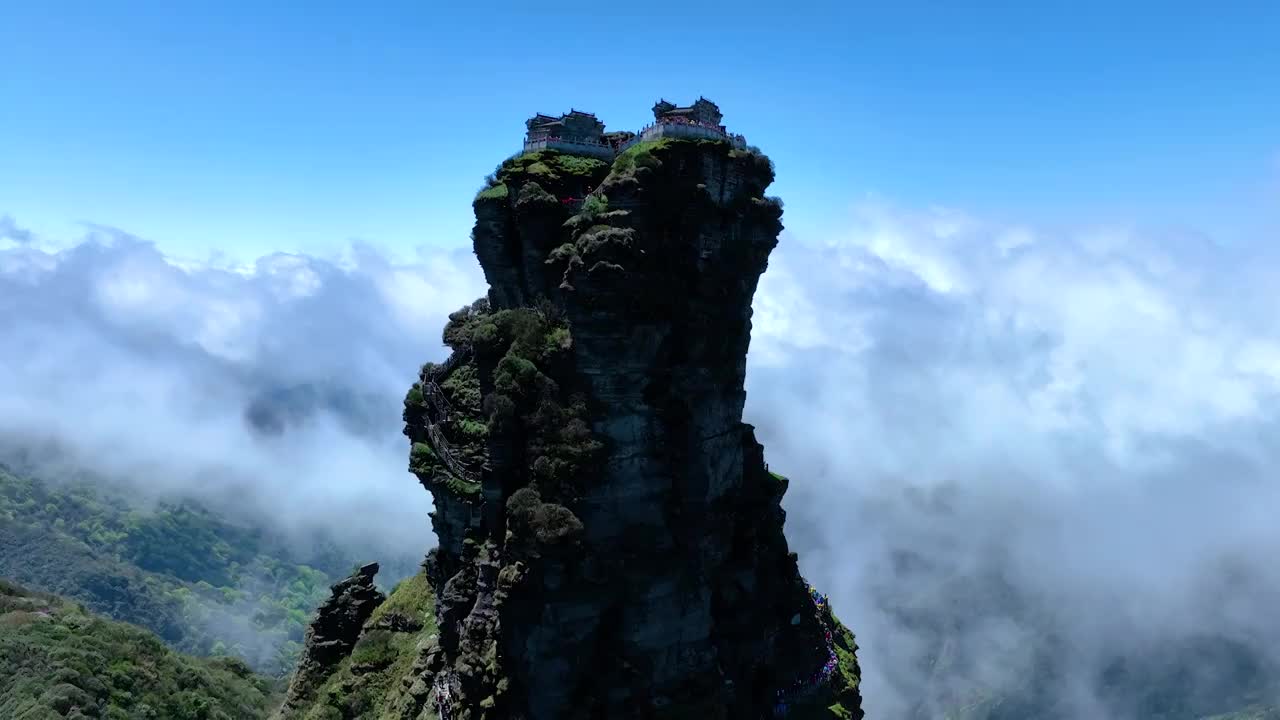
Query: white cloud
x=143 y=366
x=1088 y=417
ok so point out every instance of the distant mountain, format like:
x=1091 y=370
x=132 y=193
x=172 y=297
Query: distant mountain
x=202 y=583
x=59 y=661
x=275 y=410
x=984 y=622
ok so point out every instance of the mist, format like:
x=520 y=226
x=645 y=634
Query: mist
x=271 y=389
x=1022 y=460
x=1030 y=464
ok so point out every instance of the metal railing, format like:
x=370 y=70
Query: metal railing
x=456 y=360
x=577 y=203
x=439 y=402
x=670 y=126
x=568 y=141
x=588 y=147
x=690 y=129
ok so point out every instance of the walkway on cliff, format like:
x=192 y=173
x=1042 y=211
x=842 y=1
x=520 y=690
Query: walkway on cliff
x=442 y=411
x=577 y=203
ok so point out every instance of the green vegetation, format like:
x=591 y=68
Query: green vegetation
x=409 y=604
x=460 y=487
x=466 y=430
x=611 y=240
x=595 y=205
x=424 y=463
x=493 y=192
x=781 y=482
x=59 y=661
x=580 y=165
x=847 y=677
x=541 y=170
x=640 y=155
x=556 y=173
x=649 y=153
x=374 y=650
x=839 y=698
x=532 y=346
x=422 y=458
x=204 y=585
x=463 y=388
x=374 y=683
x=528 y=348
x=552 y=165
x=651 y=156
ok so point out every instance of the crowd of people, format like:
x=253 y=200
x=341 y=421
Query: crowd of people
x=682 y=120
x=579 y=141
x=806 y=685
x=618 y=145
x=444 y=698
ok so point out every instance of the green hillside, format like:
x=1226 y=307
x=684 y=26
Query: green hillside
x=204 y=585
x=59 y=661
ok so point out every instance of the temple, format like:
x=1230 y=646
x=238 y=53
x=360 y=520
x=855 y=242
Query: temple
x=702 y=112
x=574 y=125
x=581 y=133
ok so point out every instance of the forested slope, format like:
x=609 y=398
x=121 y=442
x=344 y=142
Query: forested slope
x=203 y=584
x=57 y=660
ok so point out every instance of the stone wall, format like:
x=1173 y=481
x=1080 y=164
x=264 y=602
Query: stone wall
x=661 y=130
x=595 y=149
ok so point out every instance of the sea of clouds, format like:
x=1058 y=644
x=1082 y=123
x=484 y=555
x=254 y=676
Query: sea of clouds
x=1002 y=437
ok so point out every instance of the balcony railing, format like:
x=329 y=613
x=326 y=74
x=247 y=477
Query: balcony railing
x=670 y=127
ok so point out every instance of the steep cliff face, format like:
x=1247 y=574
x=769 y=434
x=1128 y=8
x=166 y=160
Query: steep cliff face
x=384 y=674
x=332 y=636
x=611 y=541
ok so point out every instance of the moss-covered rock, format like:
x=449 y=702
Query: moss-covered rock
x=334 y=633
x=555 y=173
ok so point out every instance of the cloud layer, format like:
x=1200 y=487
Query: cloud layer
x=1004 y=439
x=1015 y=441
x=278 y=384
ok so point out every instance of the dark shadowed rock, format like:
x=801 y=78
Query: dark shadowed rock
x=611 y=540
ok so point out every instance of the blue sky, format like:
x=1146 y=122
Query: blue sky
x=249 y=127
